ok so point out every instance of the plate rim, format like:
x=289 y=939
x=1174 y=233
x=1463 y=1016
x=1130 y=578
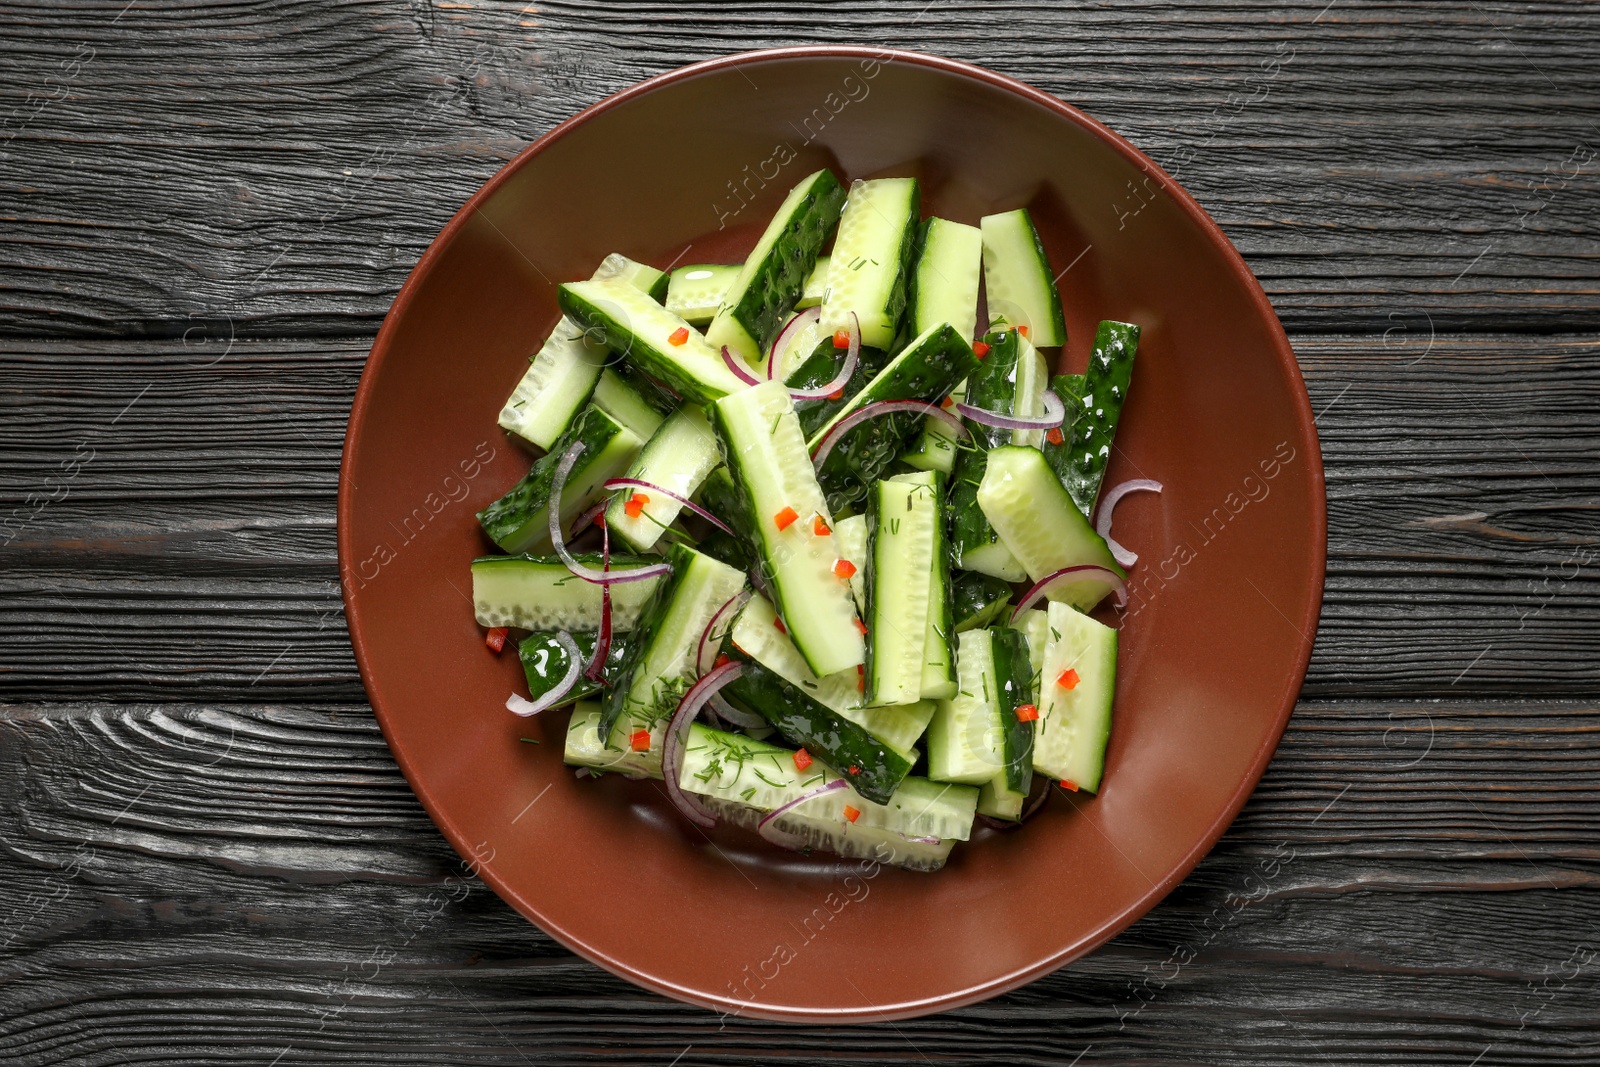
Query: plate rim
x=1137 y=908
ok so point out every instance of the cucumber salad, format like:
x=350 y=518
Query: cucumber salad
x=807 y=547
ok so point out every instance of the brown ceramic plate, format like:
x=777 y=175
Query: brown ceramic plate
x=688 y=167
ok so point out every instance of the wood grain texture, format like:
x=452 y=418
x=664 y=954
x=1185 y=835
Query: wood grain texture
x=207 y=855
x=218 y=170
x=189 y=552
x=239 y=883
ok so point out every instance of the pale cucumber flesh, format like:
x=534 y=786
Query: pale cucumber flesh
x=1074 y=724
x=677 y=458
x=964 y=742
x=767 y=456
x=900 y=565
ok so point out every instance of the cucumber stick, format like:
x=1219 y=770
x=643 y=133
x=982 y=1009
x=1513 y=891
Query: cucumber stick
x=978 y=600
x=660 y=664
x=764 y=776
x=630 y=401
x=651 y=338
x=871 y=260
x=944 y=282
x=938 y=653
x=696 y=291
x=1058 y=453
x=1017 y=280
x=973 y=542
x=585 y=749
x=677 y=458
x=545 y=663
x=774 y=275
x=540 y=593
x=926 y=369
x=1075 y=709
x=556 y=384
x=520 y=521
x=964 y=740
x=781 y=504
x=641 y=276
x=1032 y=381
x=851 y=533
x=1034 y=624
x=873 y=768
x=977 y=736
x=816 y=286
x=827 y=833
x=902 y=524
x=1105 y=389
x=1003 y=796
x=935 y=448
x=564 y=371
x=755 y=634
x=1036 y=519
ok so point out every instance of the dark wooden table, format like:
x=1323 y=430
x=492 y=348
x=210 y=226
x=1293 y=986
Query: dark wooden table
x=208 y=854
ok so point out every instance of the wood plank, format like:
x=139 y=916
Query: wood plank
x=191 y=554
x=243 y=883
x=228 y=171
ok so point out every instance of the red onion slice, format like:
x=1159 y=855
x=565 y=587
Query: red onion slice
x=602 y=644
x=520 y=705
x=588 y=574
x=1068 y=576
x=672 y=749
x=882 y=407
x=581 y=523
x=736 y=365
x=732 y=604
x=786 y=336
x=852 y=356
x=744 y=719
x=782 y=838
x=638 y=483
x=706 y=652
x=1054 y=414
x=1108 y=502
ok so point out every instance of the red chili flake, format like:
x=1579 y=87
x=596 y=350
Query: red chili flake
x=785 y=518
x=1067 y=679
x=852 y=813
x=1055 y=436
x=640 y=740
x=495 y=638
x=948 y=402
x=678 y=337
x=841 y=339
x=722 y=660
x=1065 y=784
x=1023 y=330
x=600 y=518
x=782 y=629
x=802 y=760
x=843 y=568
x=1027 y=712
x=862 y=627
x=837 y=394
x=852 y=769
x=980 y=349
x=861 y=678
x=635 y=504
x=820 y=527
